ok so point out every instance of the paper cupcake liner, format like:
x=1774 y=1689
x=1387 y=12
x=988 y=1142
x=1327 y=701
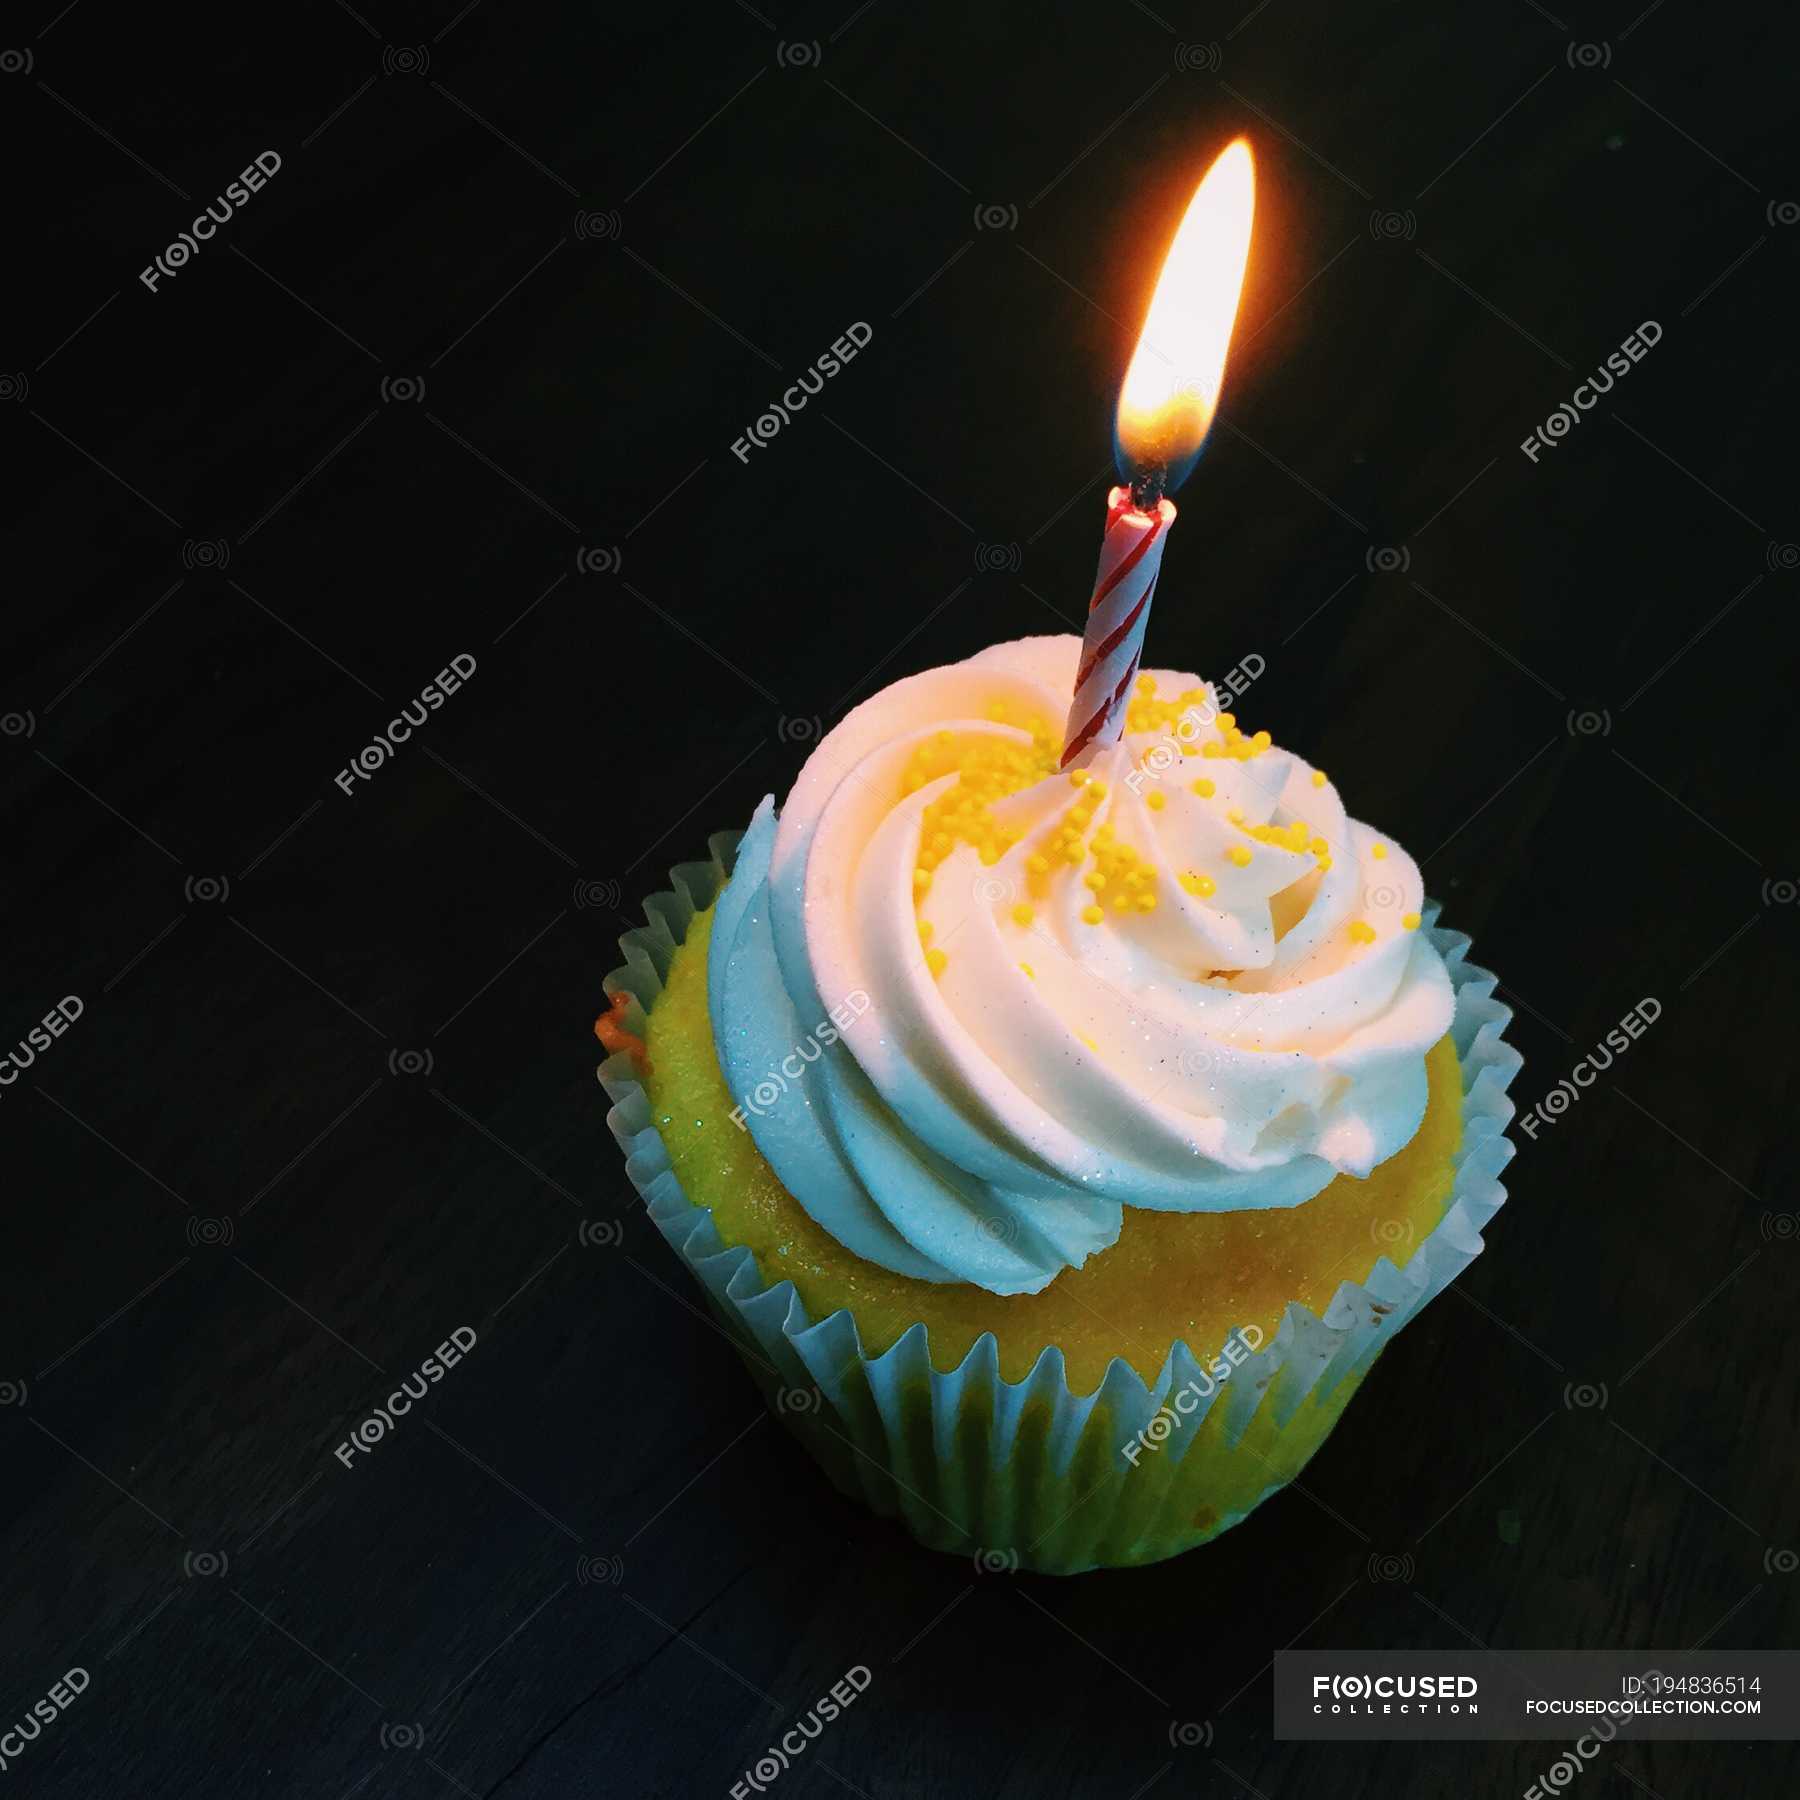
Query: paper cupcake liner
x=1027 y=1474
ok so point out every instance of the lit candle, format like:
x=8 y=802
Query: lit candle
x=1166 y=406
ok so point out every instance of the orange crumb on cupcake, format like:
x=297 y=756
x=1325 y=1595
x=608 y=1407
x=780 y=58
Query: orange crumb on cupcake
x=609 y=1028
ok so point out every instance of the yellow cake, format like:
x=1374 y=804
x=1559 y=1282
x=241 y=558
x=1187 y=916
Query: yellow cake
x=1188 y=1277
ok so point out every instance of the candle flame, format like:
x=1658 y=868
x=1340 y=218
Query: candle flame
x=1171 y=389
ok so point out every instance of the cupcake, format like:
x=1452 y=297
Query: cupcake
x=1060 y=1147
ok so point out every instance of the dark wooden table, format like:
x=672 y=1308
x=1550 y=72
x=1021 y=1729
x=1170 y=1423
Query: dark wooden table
x=463 y=379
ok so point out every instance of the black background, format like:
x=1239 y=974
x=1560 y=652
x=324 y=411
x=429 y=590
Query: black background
x=522 y=279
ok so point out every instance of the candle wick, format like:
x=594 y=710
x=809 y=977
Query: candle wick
x=1147 y=489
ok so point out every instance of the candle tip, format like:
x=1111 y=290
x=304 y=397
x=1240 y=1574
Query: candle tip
x=1147 y=488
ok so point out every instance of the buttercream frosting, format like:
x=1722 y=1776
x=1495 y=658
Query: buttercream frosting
x=973 y=1006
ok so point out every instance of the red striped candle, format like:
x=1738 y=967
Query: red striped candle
x=1166 y=407
x=1113 y=643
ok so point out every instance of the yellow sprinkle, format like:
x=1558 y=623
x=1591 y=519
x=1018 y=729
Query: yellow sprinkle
x=1097 y=789
x=1240 y=855
x=1038 y=865
x=1146 y=684
x=1078 y=777
x=1199 y=885
x=1029 y=970
x=924 y=931
x=1094 y=881
x=1154 y=800
x=1022 y=914
x=1236 y=815
x=1146 y=902
x=1379 y=851
x=1324 y=864
x=1204 y=788
x=921 y=880
x=1209 y=748
x=1261 y=741
x=1320 y=847
x=1318 y=777
x=1121 y=902
x=935 y=960
x=1361 y=932
x=1092 y=914
x=1410 y=921
x=1227 y=721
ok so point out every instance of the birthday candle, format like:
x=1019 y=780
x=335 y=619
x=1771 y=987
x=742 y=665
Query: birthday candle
x=1166 y=406
x=1113 y=642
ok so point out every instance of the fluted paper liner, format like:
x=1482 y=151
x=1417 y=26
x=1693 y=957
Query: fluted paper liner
x=1027 y=1474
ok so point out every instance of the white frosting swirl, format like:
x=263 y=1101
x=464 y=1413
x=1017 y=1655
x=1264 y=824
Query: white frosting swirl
x=1226 y=1047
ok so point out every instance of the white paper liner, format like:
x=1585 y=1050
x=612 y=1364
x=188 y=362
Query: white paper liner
x=1010 y=1471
